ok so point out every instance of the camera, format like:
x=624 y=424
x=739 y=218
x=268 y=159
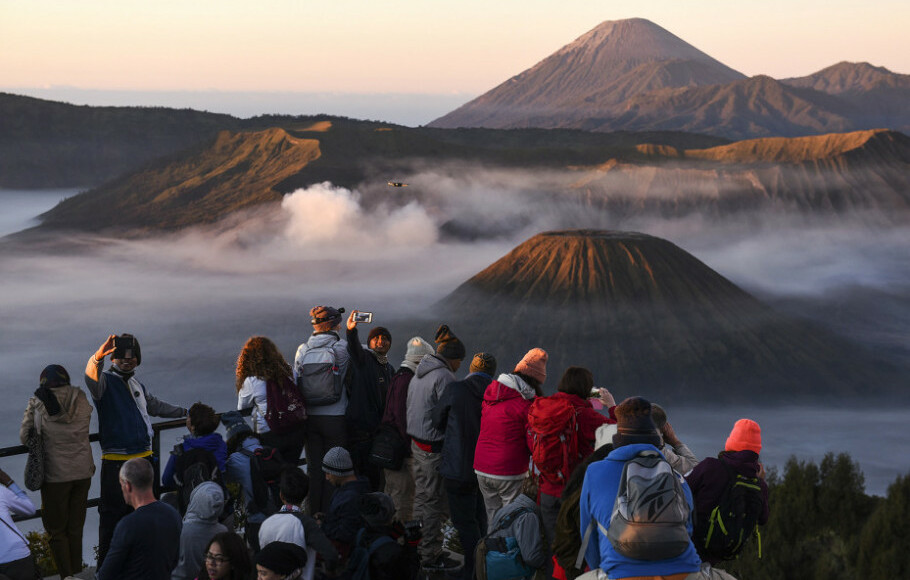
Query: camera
x=412 y=530
x=366 y=317
x=595 y=392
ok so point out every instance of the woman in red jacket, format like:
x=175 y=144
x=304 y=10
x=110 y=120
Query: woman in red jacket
x=502 y=455
x=548 y=415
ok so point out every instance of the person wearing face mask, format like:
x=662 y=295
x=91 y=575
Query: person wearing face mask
x=371 y=375
x=124 y=406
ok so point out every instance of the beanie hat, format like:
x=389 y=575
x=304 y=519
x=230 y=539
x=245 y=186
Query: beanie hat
x=483 y=362
x=534 y=365
x=379 y=331
x=447 y=344
x=337 y=461
x=234 y=424
x=54 y=376
x=377 y=509
x=745 y=436
x=325 y=318
x=281 y=557
x=634 y=424
x=417 y=349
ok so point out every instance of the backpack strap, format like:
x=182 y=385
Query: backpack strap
x=507 y=520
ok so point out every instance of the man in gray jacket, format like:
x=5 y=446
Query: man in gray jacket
x=434 y=373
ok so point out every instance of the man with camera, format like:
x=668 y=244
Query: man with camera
x=124 y=406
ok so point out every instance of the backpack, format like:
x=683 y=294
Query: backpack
x=266 y=466
x=389 y=449
x=285 y=409
x=650 y=511
x=361 y=555
x=733 y=520
x=191 y=468
x=498 y=558
x=319 y=377
x=554 y=429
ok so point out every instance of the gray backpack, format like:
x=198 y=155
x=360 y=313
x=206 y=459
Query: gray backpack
x=650 y=512
x=318 y=376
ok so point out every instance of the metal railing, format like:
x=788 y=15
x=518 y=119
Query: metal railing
x=157 y=428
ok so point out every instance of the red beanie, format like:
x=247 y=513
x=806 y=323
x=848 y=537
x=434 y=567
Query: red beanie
x=745 y=436
x=534 y=364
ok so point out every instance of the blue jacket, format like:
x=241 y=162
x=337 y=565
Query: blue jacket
x=457 y=414
x=598 y=493
x=212 y=442
x=238 y=471
x=343 y=520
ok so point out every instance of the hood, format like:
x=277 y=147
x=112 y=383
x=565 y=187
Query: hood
x=66 y=397
x=518 y=385
x=206 y=504
x=430 y=363
x=745 y=461
x=322 y=339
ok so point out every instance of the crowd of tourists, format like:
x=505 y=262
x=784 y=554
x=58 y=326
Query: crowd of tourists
x=570 y=485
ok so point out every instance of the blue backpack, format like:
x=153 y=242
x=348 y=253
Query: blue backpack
x=498 y=558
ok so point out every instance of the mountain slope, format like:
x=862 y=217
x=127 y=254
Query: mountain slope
x=590 y=72
x=647 y=318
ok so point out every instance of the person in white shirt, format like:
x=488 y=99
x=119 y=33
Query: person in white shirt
x=16 y=561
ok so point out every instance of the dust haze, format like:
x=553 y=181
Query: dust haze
x=192 y=298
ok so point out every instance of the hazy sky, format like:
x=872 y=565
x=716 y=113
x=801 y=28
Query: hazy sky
x=453 y=50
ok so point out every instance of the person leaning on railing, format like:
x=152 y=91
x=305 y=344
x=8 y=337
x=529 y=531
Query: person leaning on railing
x=124 y=406
x=62 y=413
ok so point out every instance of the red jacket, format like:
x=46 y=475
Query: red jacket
x=502 y=448
x=588 y=420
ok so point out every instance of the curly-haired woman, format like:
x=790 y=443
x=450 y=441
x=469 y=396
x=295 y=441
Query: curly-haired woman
x=260 y=362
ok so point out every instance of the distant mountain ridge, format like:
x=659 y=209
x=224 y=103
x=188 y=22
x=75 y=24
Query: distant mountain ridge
x=632 y=75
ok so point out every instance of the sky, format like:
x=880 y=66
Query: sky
x=447 y=51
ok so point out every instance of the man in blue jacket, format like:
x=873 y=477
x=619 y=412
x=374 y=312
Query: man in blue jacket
x=635 y=434
x=124 y=406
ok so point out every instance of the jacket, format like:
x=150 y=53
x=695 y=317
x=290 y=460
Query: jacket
x=340 y=348
x=124 y=406
x=237 y=470
x=457 y=414
x=200 y=524
x=432 y=377
x=709 y=479
x=680 y=458
x=212 y=442
x=567 y=539
x=587 y=421
x=368 y=388
x=503 y=445
x=253 y=395
x=598 y=494
x=13 y=502
x=67 y=452
x=525 y=529
x=396 y=407
x=343 y=520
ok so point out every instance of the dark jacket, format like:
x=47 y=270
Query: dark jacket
x=146 y=545
x=709 y=479
x=343 y=519
x=457 y=414
x=396 y=408
x=369 y=386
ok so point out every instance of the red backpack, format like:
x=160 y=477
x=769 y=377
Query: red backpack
x=285 y=409
x=553 y=426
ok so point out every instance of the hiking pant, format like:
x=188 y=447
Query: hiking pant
x=429 y=501
x=469 y=517
x=498 y=492
x=322 y=433
x=23 y=569
x=549 y=512
x=112 y=508
x=63 y=506
x=399 y=485
x=359 y=444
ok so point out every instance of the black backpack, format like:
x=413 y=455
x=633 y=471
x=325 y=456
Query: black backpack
x=266 y=466
x=389 y=449
x=733 y=520
x=193 y=467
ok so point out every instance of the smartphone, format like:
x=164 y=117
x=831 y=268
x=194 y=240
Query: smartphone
x=595 y=392
x=363 y=317
x=124 y=347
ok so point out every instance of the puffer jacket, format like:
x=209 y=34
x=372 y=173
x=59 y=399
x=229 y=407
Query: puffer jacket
x=67 y=452
x=503 y=445
x=457 y=414
x=432 y=377
x=200 y=524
